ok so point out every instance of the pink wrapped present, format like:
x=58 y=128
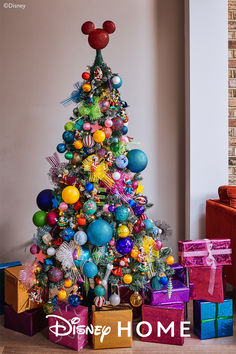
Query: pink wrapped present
x=66 y=326
x=200 y=278
x=159 y=318
x=205 y=252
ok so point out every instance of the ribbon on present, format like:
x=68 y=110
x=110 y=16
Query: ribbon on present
x=217 y=318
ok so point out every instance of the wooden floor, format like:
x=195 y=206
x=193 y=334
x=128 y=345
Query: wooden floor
x=14 y=342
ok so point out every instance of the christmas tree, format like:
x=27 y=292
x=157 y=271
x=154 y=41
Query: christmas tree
x=92 y=228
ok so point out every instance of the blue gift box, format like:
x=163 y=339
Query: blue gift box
x=2 y=267
x=213 y=319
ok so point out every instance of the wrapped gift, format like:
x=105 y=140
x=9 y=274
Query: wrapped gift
x=180 y=294
x=205 y=252
x=113 y=317
x=28 y=322
x=180 y=273
x=162 y=317
x=213 y=320
x=2 y=267
x=201 y=277
x=67 y=326
x=124 y=292
x=16 y=293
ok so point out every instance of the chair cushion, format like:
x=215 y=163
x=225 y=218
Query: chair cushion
x=227 y=195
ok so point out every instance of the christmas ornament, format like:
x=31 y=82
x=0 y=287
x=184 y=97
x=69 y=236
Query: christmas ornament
x=70 y=194
x=121 y=161
x=89 y=187
x=68 y=283
x=80 y=238
x=111 y=208
x=116 y=82
x=158 y=245
x=51 y=251
x=78 y=205
x=90 y=269
x=170 y=260
x=121 y=213
x=39 y=218
x=86 y=126
x=136 y=299
x=55 y=202
x=61 y=294
x=76 y=160
x=49 y=308
x=51 y=218
x=123 y=261
x=137 y=160
x=134 y=253
x=108 y=123
x=34 y=249
x=68 y=155
x=44 y=199
x=124 y=130
x=81 y=254
x=92 y=110
x=99 y=136
x=135 y=184
x=63 y=206
x=61 y=147
x=169 y=288
x=64 y=254
x=88 y=141
x=68 y=234
x=155 y=283
x=127 y=278
x=90 y=207
x=141 y=200
x=139 y=226
x=107 y=274
x=78 y=144
x=107 y=132
x=117 y=124
x=99 y=232
x=164 y=280
x=104 y=105
x=99 y=290
x=124 y=139
x=69 y=126
x=123 y=231
x=138 y=210
x=98 y=38
x=85 y=75
x=99 y=301
x=81 y=221
x=98 y=169
x=74 y=300
x=86 y=87
x=124 y=245
x=68 y=136
x=55 y=274
x=96 y=255
x=114 y=299
x=116 y=176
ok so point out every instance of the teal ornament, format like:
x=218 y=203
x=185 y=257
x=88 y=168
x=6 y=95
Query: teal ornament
x=137 y=160
x=116 y=81
x=121 y=213
x=155 y=283
x=99 y=290
x=79 y=124
x=148 y=224
x=90 y=207
x=99 y=232
x=68 y=136
x=90 y=269
x=83 y=257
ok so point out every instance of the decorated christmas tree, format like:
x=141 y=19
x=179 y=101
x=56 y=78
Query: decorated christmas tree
x=93 y=231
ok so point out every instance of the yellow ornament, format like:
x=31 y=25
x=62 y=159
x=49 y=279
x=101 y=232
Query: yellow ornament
x=123 y=231
x=136 y=299
x=127 y=278
x=78 y=144
x=61 y=294
x=67 y=283
x=139 y=189
x=99 y=136
x=170 y=260
x=70 y=194
x=134 y=253
x=86 y=87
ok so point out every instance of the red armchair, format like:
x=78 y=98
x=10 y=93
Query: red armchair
x=221 y=223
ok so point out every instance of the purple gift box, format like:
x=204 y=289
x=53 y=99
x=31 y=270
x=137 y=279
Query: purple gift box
x=180 y=294
x=181 y=275
x=28 y=322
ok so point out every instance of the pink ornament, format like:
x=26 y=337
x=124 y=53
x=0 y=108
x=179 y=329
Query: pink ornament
x=134 y=184
x=158 y=245
x=51 y=218
x=124 y=139
x=104 y=105
x=86 y=126
x=107 y=131
x=34 y=249
x=108 y=123
x=112 y=242
x=63 y=206
x=117 y=123
x=105 y=208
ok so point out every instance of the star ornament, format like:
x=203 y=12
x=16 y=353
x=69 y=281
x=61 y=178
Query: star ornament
x=40 y=256
x=55 y=202
x=140 y=188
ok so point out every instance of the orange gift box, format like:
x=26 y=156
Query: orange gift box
x=110 y=316
x=16 y=293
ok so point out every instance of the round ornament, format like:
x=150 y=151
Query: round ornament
x=121 y=161
x=136 y=299
x=55 y=275
x=81 y=221
x=61 y=147
x=86 y=87
x=39 y=218
x=99 y=301
x=51 y=251
x=78 y=144
x=127 y=278
x=138 y=210
x=99 y=290
x=89 y=187
x=49 y=308
x=158 y=245
x=68 y=234
x=99 y=232
x=86 y=126
x=70 y=194
x=117 y=124
x=124 y=130
x=78 y=205
x=48 y=262
x=108 y=123
x=99 y=136
x=44 y=200
x=124 y=245
x=74 y=300
x=69 y=155
x=124 y=139
x=63 y=206
x=102 y=152
x=116 y=81
x=34 y=249
x=155 y=283
x=148 y=224
x=111 y=208
x=114 y=299
x=69 y=126
x=135 y=184
x=80 y=238
x=90 y=269
x=107 y=131
x=76 y=160
x=164 y=280
x=123 y=231
x=85 y=75
x=68 y=136
x=104 y=105
x=170 y=260
x=137 y=160
x=88 y=141
x=105 y=208
x=121 y=213
x=90 y=207
x=116 y=175
x=61 y=294
x=134 y=253
x=68 y=283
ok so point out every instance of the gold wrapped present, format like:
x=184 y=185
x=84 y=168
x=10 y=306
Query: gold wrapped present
x=16 y=294
x=112 y=326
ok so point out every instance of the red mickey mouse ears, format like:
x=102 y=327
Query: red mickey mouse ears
x=98 y=38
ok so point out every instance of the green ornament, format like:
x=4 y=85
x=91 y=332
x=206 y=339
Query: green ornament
x=155 y=283
x=39 y=218
x=69 y=126
x=117 y=149
x=86 y=286
x=69 y=155
x=48 y=308
x=96 y=255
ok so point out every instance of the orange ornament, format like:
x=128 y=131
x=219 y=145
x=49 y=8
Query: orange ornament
x=67 y=283
x=134 y=253
x=78 y=144
x=170 y=260
x=127 y=278
x=61 y=294
x=126 y=119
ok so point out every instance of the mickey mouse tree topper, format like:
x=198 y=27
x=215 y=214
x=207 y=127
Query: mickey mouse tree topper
x=98 y=38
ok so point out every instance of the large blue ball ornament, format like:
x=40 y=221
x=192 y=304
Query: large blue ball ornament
x=121 y=213
x=74 y=300
x=61 y=147
x=44 y=200
x=90 y=269
x=124 y=245
x=68 y=136
x=99 y=232
x=137 y=160
x=68 y=234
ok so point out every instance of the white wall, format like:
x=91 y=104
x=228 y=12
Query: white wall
x=206 y=107
x=44 y=54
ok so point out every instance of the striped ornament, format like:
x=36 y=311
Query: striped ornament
x=143 y=217
x=141 y=200
x=88 y=141
x=99 y=301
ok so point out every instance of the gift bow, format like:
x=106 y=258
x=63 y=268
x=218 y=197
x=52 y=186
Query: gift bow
x=211 y=262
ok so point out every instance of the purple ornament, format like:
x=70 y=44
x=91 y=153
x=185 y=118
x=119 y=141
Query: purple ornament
x=111 y=208
x=124 y=245
x=139 y=210
x=55 y=274
x=34 y=249
x=158 y=245
x=117 y=124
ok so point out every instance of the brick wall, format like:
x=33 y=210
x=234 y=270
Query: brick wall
x=232 y=91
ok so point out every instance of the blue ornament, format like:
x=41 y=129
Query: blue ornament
x=80 y=238
x=99 y=232
x=121 y=161
x=124 y=245
x=47 y=262
x=89 y=187
x=44 y=200
x=137 y=160
x=90 y=269
x=164 y=280
x=83 y=257
x=90 y=207
x=155 y=283
x=68 y=136
x=148 y=224
x=89 y=151
x=74 y=300
x=139 y=210
x=99 y=290
x=111 y=208
x=68 y=234
x=116 y=81
x=121 y=213
x=124 y=130
x=132 y=203
x=61 y=147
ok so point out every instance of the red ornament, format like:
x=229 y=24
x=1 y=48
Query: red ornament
x=87 y=27
x=58 y=242
x=126 y=119
x=98 y=38
x=109 y=26
x=85 y=76
x=78 y=205
x=51 y=218
x=81 y=221
x=107 y=131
